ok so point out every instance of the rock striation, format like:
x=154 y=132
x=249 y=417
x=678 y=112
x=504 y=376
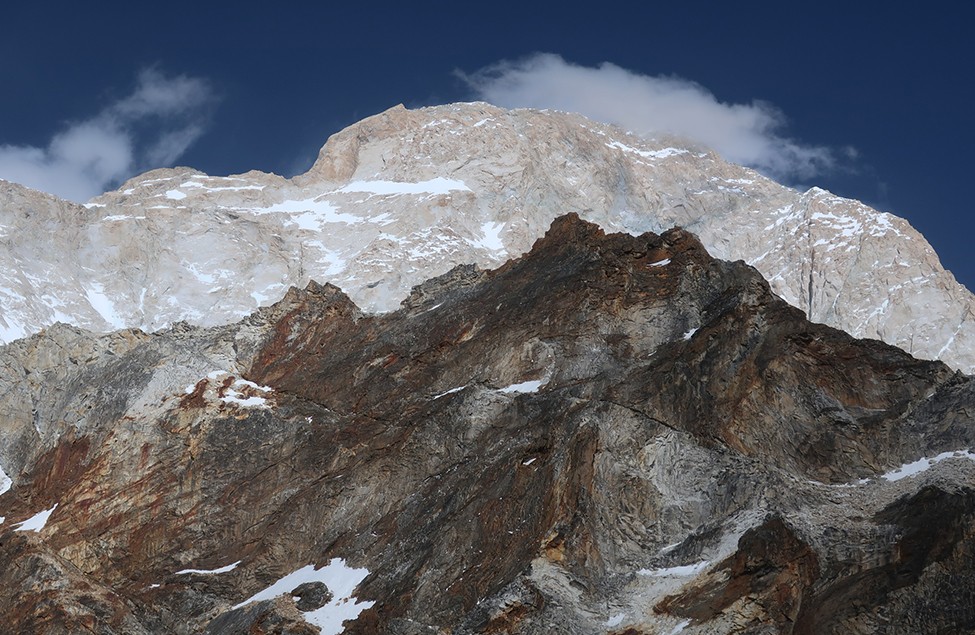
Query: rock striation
x=609 y=434
x=407 y=195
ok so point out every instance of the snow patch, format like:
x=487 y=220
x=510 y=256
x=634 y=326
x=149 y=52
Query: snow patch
x=660 y=263
x=681 y=571
x=856 y=483
x=229 y=567
x=103 y=306
x=491 y=237
x=233 y=394
x=159 y=180
x=647 y=154
x=680 y=627
x=616 y=620
x=882 y=224
x=202 y=276
x=330 y=259
x=431 y=124
x=688 y=335
x=847 y=226
x=250 y=384
x=229 y=188
x=10 y=330
x=948 y=344
x=449 y=392
x=37 y=522
x=239 y=399
x=312 y=213
x=5 y=481
x=175 y=195
x=921 y=465
x=340 y=579
x=525 y=386
x=435 y=186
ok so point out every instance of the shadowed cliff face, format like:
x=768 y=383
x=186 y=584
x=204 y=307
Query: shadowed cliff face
x=609 y=434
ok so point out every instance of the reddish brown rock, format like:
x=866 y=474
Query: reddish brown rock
x=558 y=445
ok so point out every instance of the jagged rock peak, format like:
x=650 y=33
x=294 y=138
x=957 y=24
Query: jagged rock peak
x=611 y=433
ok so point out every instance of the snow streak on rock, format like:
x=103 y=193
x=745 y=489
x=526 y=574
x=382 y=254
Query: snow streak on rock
x=37 y=522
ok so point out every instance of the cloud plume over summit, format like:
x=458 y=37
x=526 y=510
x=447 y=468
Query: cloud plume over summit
x=749 y=134
x=151 y=127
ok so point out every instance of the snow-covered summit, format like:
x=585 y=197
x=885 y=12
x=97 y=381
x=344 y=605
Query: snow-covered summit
x=407 y=194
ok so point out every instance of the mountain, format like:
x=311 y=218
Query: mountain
x=610 y=434
x=408 y=194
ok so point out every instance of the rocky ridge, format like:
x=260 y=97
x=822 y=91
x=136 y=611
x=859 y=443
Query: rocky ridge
x=610 y=434
x=408 y=194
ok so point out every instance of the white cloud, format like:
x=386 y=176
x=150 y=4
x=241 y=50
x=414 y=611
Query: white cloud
x=749 y=134
x=171 y=145
x=150 y=128
x=157 y=95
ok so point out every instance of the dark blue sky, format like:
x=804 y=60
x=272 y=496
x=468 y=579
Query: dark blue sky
x=895 y=85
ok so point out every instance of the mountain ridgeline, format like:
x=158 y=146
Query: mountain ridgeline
x=407 y=195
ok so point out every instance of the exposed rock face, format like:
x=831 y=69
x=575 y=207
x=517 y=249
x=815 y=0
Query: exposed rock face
x=406 y=195
x=609 y=434
x=770 y=574
x=311 y=596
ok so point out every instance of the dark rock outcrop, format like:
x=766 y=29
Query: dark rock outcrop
x=609 y=434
